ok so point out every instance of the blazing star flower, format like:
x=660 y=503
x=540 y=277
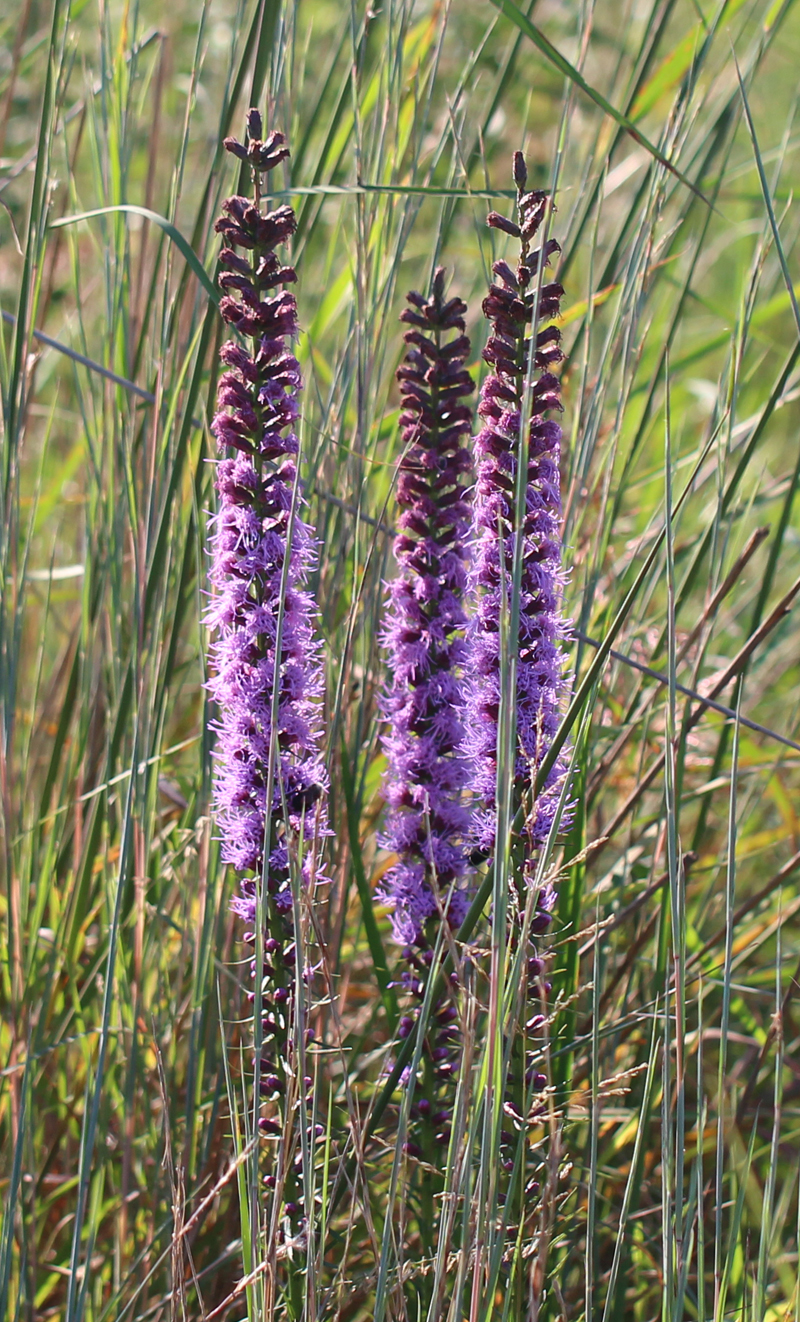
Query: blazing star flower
x=426 y=774
x=519 y=306
x=428 y=822
x=265 y=659
x=514 y=299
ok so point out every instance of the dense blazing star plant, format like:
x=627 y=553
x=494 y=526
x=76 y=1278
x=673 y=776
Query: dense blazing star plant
x=426 y=772
x=270 y=782
x=511 y=393
x=518 y=399
x=428 y=821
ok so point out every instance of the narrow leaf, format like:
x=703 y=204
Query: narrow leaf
x=171 y=231
x=563 y=65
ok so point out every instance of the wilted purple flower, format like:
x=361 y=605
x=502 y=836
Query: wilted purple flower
x=516 y=296
x=426 y=774
x=261 y=555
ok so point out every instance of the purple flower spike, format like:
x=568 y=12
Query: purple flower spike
x=515 y=297
x=426 y=775
x=261 y=555
x=258 y=404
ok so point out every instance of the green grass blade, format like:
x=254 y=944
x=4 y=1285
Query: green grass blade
x=563 y=65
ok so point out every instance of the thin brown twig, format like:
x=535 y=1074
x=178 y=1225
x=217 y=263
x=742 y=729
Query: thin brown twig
x=621 y=917
x=748 y=905
x=729 y=582
x=639 y=942
x=718 y=685
x=237 y=1292
x=687 y=692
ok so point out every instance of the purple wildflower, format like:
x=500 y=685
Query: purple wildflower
x=515 y=297
x=426 y=775
x=428 y=822
x=519 y=305
x=261 y=555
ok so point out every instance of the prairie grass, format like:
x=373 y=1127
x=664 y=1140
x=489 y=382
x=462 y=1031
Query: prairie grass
x=670 y=1153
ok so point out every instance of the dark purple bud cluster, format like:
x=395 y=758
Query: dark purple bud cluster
x=261 y=154
x=516 y=298
x=424 y=634
x=270 y=782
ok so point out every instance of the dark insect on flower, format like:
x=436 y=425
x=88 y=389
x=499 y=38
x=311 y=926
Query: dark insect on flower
x=270 y=781
x=520 y=303
x=426 y=774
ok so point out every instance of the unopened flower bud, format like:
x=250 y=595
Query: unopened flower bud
x=254 y=124
x=497 y=222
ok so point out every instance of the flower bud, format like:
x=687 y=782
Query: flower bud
x=254 y=124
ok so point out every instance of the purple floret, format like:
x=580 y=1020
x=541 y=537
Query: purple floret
x=541 y=685
x=427 y=822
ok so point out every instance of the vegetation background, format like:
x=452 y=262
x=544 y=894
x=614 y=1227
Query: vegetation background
x=674 y=1039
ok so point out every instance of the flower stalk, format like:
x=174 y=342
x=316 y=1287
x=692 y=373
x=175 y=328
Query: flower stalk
x=426 y=773
x=270 y=781
x=521 y=385
x=428 y=820
x=518 y=579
